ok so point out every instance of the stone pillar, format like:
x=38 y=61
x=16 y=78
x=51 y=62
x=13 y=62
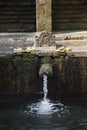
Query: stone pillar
x=43 y=15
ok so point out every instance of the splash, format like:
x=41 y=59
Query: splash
x=46 y=106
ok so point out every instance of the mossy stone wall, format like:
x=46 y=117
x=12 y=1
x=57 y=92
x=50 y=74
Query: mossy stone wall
x=19 y=74
x=69 y=76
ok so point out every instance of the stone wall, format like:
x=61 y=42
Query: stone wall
x=69 y=15
x=70 y=76
x=17 y=15
x=19 y=75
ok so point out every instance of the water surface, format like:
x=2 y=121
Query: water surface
x=40 y=114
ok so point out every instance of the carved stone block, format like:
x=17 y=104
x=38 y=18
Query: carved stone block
x=44 y=38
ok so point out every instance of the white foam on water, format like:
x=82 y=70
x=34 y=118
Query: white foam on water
x=45 y=106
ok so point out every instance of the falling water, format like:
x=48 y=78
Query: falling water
x=45 y=89
x=45 y=106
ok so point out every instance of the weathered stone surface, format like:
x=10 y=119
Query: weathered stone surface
x=43 y=15
x=69 y=15
x=19 y=74
x=15 y=40
x=69 y=76
x=46 y=69
x=18 y=16
x=44 y=38
x=9 y=42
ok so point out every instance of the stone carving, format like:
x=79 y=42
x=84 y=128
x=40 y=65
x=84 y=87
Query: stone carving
x=46 y=69
x=42 y=1
x=44 y=38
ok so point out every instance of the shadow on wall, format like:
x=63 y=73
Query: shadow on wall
x=69 y=76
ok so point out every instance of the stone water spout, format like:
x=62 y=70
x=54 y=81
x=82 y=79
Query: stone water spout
x=46 y=67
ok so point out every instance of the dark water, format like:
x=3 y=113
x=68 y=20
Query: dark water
x=51 y=114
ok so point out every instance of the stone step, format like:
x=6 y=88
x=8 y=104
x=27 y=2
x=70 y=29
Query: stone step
x=79 y=35
x=16 y=35
x=16 y=39
x=71 y=42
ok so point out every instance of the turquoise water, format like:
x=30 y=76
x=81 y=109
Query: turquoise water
x=51 y=114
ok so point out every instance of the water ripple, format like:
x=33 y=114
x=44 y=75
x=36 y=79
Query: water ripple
x=46 y=107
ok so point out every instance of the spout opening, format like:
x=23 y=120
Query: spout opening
x=46 y=69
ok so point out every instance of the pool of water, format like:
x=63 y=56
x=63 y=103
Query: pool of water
x=40 y=114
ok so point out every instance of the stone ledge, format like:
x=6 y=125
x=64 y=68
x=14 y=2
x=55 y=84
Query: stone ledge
x=77 y=51
x=10 y=41
x=72 y=42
